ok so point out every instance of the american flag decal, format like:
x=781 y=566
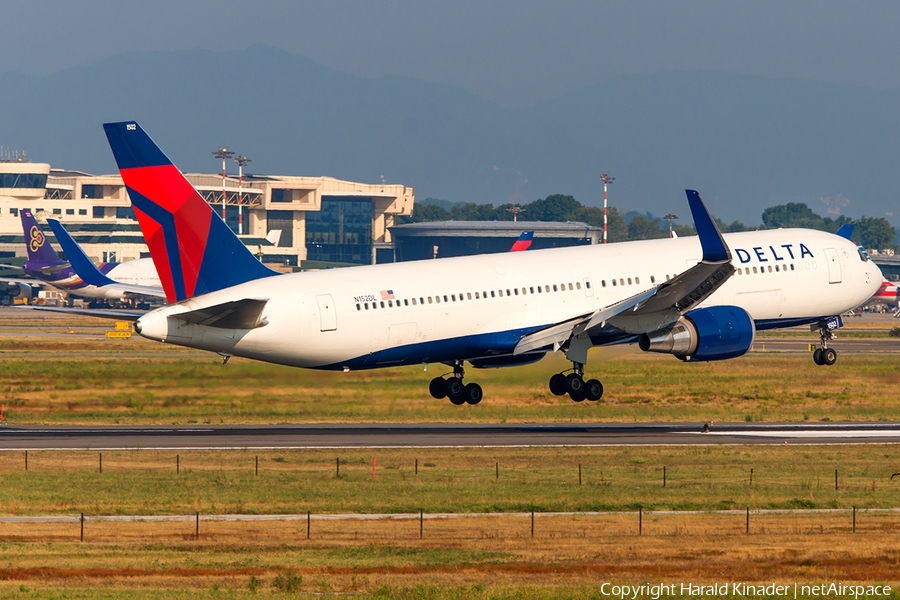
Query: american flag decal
x=387 y=294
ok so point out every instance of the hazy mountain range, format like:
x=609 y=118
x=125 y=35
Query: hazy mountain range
x=744 y=142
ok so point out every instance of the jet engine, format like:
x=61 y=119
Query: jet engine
x=714 y=333
x=19 y=290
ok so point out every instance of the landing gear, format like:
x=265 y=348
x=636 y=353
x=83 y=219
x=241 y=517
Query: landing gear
x=825 y=356
x=453 y=388
x=575 y=386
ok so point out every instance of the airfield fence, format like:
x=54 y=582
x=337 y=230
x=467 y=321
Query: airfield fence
x=344 y=528
x=625 y=476
x=310 y=470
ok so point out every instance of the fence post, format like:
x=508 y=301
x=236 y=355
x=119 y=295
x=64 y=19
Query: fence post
x=82 y=527
x=751 y=479
x=417 y=468
x=640 y=520
x=307 y=524
x=177 y=464
x=854 y=519
x=337 y=463
x=197 y=528
x=421 y=523
x=497 y=476
x=664 y=476
x=835 y=480
x=748 y=520
x=579 y=473
x=257 y=465
x=101 y=462
x=26 y=461
x=532 y=522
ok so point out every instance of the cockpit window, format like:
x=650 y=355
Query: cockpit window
x=863 y=255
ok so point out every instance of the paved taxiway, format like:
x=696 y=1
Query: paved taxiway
x=430 y=436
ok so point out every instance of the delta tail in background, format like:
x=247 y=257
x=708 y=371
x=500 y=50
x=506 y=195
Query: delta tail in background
x=698 y=298
x=47 y=268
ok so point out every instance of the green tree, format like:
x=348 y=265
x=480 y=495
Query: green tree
x=428 y=212
x=616 y=227
x=642 y=228
x=793 y=214
x=874 y=233
x=557 y=207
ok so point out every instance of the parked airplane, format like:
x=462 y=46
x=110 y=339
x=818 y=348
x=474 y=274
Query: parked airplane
x=92 y=275
x=692 y=297
x=524 y=242
x=45 y=266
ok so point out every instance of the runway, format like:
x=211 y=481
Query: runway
x=439 y=436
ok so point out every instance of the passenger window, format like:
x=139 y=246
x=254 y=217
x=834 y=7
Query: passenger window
x=391 y=303
x=653 y=279
x=792 y=266
x=405 y=302
x=570 y=287
x=357 y=306
x=577 y=285
x=366 y=305
x=453 y=297
x=414 y=301
x=422 y=301
x=382 y=304
x=770 y=268
x=477 y=296
x=629 y=281
x=540 y=290
x=587 y=284
x=531 y=289
x=523 y=291
x=429 y=299
x=614 y=282
x=547 y=288
x=602 y=283
x=554 y=288
x=469 y=295
x=493 y=295
x=621 y=282
x=507 y=293
x=637 y=280
x=776 y=268
x=445 y=298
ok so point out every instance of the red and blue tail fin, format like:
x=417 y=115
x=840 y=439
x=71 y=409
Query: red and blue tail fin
x=193 y=249
x=39 y=249
x=523 y=243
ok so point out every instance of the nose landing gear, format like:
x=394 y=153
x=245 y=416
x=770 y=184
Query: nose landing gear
x=453 y=388
x=825 y=356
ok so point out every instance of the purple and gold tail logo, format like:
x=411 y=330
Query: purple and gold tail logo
x=37 y=238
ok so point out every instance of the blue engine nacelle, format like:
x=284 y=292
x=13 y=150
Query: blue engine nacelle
x=713 y=333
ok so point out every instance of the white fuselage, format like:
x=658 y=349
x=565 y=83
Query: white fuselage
x=468 y=307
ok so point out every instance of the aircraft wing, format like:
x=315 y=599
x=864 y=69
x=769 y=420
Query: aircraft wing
x=89 y=272
x=659 y=306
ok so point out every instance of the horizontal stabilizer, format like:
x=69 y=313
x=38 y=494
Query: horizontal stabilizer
x=118 y=315
x=238 y=314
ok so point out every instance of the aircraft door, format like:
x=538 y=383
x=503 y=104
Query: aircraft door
x=327 y=314
x=834 y=265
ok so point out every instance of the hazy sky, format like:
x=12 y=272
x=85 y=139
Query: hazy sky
x=514 y=52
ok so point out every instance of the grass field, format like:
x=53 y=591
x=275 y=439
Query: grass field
x=87 y=380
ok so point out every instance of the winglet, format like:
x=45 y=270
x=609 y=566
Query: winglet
x=846 y=230
x=714 y=247
x=81 y=264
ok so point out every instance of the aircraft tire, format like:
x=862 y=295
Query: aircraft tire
x=438 y=387
x=593 y=390
x=473 y=393
x=558 y=384
x=829 y=356
x=574 y=384
x=579 y=396
x=455 y=391
x=817 y=356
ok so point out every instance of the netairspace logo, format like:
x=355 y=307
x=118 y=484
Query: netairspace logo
x=744 y=590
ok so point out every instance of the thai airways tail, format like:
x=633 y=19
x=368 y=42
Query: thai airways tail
x=40 y=253
x=193 y=249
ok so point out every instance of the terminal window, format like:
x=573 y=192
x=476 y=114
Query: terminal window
x=341 y=231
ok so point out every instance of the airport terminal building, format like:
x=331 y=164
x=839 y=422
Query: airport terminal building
x=320 y=219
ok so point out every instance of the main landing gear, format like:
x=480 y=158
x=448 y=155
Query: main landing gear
x=575 y=386
x=825 y=355
x=452 y=387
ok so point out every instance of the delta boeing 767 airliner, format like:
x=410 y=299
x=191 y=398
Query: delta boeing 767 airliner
x=698 y=298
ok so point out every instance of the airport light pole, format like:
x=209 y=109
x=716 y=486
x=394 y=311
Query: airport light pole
x=606 y=179
x=241 y=161
x=223 y=153
x=670 y=217
x=515 y=210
